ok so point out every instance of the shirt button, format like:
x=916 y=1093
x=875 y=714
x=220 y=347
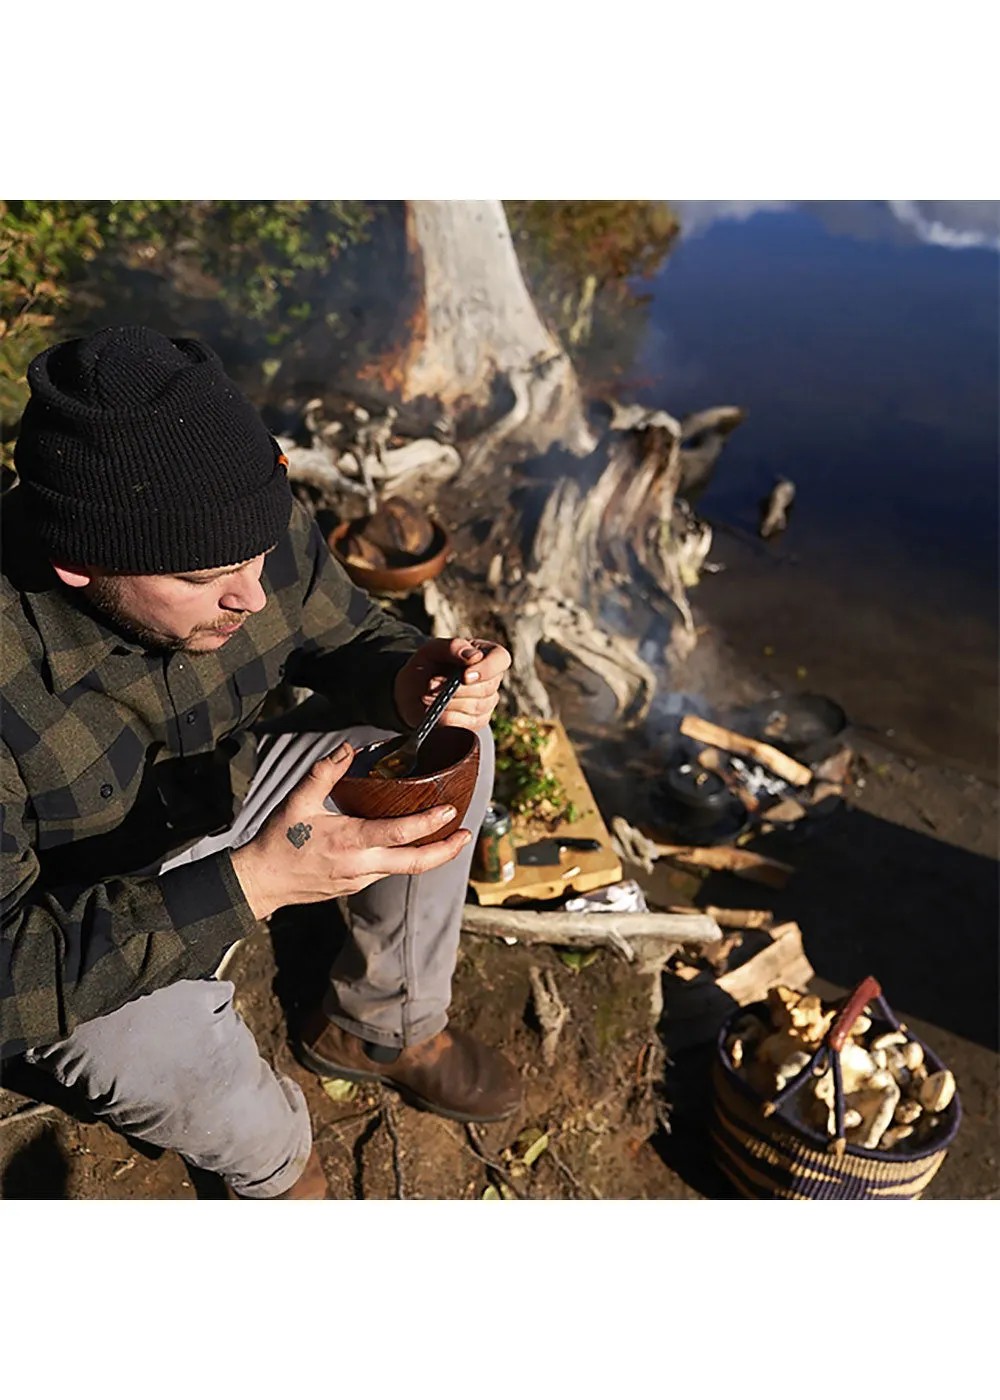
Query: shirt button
x=190 y=717
x=106 y=789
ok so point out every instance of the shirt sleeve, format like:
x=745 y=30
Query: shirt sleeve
x=351 y=649
x=71 y=954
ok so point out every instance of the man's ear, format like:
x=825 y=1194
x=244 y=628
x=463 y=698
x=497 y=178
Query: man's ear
x=74 y=575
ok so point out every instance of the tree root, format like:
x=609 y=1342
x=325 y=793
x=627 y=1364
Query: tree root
x=550 y=1009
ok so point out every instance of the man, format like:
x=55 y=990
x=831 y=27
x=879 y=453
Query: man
x=158 y=581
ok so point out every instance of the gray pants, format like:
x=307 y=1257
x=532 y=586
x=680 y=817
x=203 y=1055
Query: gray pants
x=179 y=1069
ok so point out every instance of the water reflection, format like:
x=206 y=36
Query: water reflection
x=947 y=223
x=862 y=340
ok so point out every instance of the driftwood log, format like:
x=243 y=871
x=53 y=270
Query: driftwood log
x=627 y=934
x=615 y=526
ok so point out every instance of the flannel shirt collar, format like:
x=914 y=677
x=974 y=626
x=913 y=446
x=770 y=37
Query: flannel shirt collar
x=75 y=641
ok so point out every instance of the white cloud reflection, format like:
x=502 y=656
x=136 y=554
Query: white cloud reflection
x=946 y=223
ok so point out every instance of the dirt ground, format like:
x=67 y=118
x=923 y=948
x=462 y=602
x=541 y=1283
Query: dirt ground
x=901 y=883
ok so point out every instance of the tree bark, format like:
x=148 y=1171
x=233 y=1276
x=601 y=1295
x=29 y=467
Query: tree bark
x=475 y=331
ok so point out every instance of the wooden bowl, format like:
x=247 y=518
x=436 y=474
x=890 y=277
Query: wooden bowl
x=398 y=580
x=446 y=772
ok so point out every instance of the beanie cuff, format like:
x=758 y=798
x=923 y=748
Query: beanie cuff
x=206 y=534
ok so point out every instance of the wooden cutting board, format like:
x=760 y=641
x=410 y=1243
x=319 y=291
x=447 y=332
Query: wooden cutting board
x=596 y=868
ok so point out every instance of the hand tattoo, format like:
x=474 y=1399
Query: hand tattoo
x=299 y=834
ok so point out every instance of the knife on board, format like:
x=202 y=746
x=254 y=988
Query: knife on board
x=549 y=851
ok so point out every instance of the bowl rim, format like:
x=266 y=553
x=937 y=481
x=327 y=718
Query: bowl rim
x=419 y=777
x=401 y=573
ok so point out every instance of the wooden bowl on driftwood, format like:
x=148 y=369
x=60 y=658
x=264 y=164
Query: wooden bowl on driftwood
x=446 y=772
x=399 y=579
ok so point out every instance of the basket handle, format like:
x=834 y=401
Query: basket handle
x=863 y=993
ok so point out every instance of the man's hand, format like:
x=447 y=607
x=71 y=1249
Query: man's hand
x=304 y=853
x=427 y=669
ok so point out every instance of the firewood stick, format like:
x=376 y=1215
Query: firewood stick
x=711 y=759
x=750 y=865
x=729 y=918
x=714 y=734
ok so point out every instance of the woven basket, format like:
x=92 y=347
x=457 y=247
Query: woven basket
x=768 y=1157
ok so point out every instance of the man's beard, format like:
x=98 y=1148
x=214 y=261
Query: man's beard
x=105 y=595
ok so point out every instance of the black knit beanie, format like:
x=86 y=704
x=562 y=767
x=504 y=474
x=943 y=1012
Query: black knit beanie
x=139 y=454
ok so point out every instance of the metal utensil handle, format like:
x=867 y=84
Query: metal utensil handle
x=437 y=709
x=863 y=993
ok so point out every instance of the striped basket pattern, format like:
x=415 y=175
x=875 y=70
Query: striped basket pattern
x=768 y=1157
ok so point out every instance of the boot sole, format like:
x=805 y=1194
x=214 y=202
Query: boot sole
x=328 y=1070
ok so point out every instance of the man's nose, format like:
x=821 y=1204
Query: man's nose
x=245 y=594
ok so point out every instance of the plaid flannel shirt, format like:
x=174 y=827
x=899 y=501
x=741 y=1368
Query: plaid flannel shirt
x=115 y=757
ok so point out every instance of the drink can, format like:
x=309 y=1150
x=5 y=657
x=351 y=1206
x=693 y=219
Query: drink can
x=493 y=862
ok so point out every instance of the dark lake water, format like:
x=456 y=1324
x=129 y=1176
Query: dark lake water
x=862 y=339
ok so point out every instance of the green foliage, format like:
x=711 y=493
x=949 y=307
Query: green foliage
x=578 y=258
x=610 y=239
x=44 y=246
x=264 y=261
x=262 y=253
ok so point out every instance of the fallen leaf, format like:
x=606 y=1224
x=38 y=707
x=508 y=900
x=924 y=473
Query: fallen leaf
x=578 y=958
x=491 y=1194
x=801 y=673
x=535 y=1150
x=340 y=1090
x=769 y=651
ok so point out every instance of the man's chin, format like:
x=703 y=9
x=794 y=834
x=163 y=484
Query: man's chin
x=207 y=641
x=211 y=639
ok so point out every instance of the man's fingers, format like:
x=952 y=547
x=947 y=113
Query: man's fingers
x=315 y=787
x=489 y=662
x=415 y=860
x=463 y=713
x=481 y=690
x=401 y=831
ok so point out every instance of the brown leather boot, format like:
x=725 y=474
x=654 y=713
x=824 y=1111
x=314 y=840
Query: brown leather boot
x=311 y=1185
x=451 y=1073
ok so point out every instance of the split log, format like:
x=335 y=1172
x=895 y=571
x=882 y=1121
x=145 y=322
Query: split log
x=597 y=930
x=714 y=734
x=696 y=1009
x=781 y=963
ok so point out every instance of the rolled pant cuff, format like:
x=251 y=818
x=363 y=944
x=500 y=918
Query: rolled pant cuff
x=412 y=1035
x=282 y=1181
